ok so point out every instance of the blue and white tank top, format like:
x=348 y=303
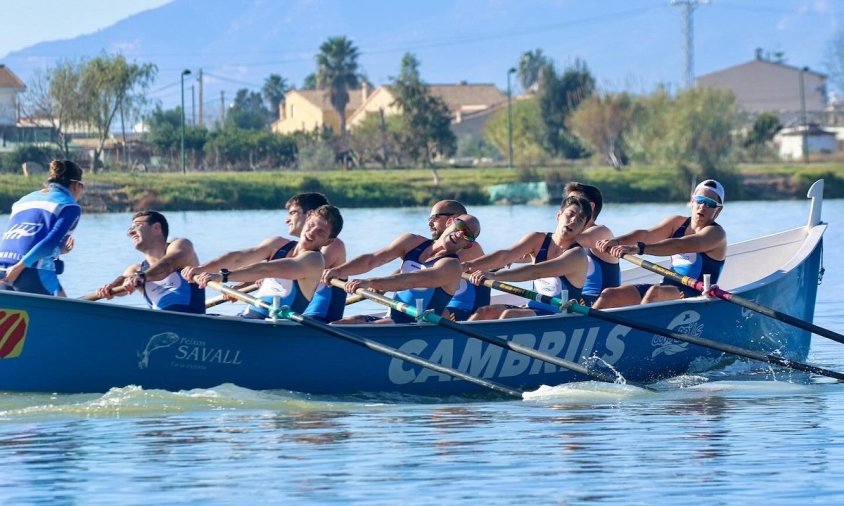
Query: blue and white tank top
x=694 y=265
x=552 y=286
x=174 y=293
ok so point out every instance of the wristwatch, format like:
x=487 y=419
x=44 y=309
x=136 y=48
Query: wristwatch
x=225 y=274
x=142 y=275
x=641 y=246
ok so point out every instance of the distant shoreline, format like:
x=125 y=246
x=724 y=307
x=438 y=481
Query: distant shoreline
x=121 y=192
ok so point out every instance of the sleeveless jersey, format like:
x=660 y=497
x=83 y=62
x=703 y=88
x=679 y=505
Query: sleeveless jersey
x=174 y=293
x=551 y=286
x=287 y=290
x=433 y=298
x=694 y=265
x=600 y=274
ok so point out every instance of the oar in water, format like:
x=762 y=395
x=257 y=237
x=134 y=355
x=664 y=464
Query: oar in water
x=735 y=299
x=627 y=322
x=494 y=340
x=363 y=341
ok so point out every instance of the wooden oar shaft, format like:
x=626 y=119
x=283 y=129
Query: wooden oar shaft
x=494 y=340
x=365 y=342
x=736 y=299
x=117 y=290
x=522 y=292
x=214 y=301
x=353 y=299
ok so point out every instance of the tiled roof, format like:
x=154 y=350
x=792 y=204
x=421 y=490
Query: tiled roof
x=458 y=96
x=321 y=98
x=8 y=79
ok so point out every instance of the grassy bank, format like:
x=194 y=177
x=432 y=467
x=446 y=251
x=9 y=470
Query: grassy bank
x=409 y=187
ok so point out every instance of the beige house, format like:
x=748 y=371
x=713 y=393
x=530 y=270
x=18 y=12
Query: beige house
x=763 y=85
x=304 y=110
x=10 y=87
x=462 y=99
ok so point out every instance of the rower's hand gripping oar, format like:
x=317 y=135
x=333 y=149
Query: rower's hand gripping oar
x=214 y=301
x=573 y=307
x=431 y=317
x=117 y=290
x=735 y=299
x=285 y=312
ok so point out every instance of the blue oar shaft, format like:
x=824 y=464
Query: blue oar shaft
x=736 y=299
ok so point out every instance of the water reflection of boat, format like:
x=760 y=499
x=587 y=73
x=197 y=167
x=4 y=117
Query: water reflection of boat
x=65 y=345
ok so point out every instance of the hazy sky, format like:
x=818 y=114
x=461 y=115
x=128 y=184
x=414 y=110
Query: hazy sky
x=628 y=44
x=26 y=22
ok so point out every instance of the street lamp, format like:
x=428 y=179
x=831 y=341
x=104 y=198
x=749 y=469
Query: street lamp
x=510 y=119
x=184 y=73
x=805 y=133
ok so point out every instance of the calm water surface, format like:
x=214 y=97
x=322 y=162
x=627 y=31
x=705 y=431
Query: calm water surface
x=724 y=438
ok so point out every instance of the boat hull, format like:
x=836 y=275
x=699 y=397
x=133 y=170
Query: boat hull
x=70 y=346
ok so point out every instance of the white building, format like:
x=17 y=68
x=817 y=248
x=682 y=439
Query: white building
x=10 y=87
x=818 y=140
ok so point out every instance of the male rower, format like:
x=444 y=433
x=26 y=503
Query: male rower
x=329 y=302
x=157 y=275
x=697 y=246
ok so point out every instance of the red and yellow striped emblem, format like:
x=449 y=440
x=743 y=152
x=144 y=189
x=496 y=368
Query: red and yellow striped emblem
x=13 y=324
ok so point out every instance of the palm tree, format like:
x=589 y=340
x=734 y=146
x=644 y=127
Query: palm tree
x=337 y=73
x=530 y=69
x=273 y=91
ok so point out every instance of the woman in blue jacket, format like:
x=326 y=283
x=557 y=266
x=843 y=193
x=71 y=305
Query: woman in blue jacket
x=39 y=231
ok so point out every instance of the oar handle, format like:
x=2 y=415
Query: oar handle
x=214 y=301
x=379 y=298
x=117 y=290
x=353 y=299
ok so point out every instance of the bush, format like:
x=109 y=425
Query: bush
x=13 y=162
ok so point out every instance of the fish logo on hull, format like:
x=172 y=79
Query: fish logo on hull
x=158 y=341
x=13 y=325
x=687 y=323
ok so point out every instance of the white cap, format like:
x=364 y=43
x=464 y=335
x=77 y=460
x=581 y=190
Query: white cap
x=713 y=186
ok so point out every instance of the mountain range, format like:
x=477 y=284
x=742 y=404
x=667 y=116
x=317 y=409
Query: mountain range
x=629 y=44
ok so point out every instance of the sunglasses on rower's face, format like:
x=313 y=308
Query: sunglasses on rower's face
x=434 y=216
x=460 y=226
x=706 y=201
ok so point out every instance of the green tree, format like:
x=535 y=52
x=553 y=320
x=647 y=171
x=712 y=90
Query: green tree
x=273 y=91
x=559 y=96
x=427 y=122
x=834 y=59
x=530 y=68
x=309 y=83
x=527 y=128
x=766 y=125
x=247 y=111
x=108 y=83
x=54 y=95
x=337 y=73
x=376 y=139
x=601 y=121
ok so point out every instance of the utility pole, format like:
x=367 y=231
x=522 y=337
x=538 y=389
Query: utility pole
x=222 y=108
x=689 y=7
x=805 y=124
x=201 y=101
x=192 y=107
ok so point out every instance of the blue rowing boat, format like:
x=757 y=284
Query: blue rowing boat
x=50 y=344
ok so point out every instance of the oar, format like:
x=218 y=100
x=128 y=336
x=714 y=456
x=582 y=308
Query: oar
x=736 y=299
x=700 y=341
x=117 y=290
x=353 y=299
x=284 y=312
x=214 y=301
x=494 y=340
